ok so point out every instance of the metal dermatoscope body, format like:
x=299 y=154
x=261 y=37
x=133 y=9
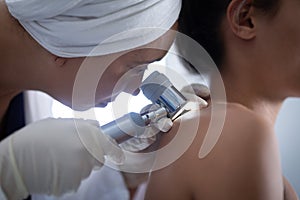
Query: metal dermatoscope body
x=167 y=102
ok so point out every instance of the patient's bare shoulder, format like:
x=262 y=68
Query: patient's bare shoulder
x=244 y=163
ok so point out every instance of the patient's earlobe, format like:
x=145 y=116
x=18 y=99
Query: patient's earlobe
x=241 y=20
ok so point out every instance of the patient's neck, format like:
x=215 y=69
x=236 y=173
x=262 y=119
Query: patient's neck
x=250 y=96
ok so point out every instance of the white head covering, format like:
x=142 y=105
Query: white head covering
x=73 y=28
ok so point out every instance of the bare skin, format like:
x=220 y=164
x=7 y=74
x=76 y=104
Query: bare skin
x=245 y=163
x=17 y=50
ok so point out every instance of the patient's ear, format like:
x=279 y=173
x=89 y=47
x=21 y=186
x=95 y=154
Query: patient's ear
x=241 y=20
x=60 y=62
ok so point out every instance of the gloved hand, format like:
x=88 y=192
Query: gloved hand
x=49 y=157
x=197 y=93
x=149 y=136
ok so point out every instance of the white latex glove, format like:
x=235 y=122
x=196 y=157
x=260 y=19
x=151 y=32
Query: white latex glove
x=48 y=157
x=149 y=136
x=196 y=93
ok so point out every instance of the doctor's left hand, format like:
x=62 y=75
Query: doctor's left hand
x=51 y=157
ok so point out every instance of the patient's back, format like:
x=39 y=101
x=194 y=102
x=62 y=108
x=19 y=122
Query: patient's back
x=243 y=165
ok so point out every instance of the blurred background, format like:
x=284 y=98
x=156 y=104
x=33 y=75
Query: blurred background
x=288 y=133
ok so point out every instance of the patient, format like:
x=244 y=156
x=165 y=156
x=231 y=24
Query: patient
x=256 y=45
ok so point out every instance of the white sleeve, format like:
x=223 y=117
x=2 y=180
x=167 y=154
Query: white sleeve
x=30 y=10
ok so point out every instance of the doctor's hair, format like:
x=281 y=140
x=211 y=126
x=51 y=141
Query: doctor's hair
x=201 y=20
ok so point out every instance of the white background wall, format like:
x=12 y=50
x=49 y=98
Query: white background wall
x=288 y=132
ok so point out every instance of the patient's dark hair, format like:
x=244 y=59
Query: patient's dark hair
x=201 y=20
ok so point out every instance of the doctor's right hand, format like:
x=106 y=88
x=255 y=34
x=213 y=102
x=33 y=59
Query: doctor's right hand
x=50 y=157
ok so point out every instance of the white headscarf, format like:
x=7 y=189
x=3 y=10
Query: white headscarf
x=73 y=28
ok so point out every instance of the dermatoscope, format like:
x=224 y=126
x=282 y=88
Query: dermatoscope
x=167 y=102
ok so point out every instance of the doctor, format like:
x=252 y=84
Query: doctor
x=44 y=45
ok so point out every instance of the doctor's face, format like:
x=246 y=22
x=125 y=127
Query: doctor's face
x=125 y=74
x=116 y=73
